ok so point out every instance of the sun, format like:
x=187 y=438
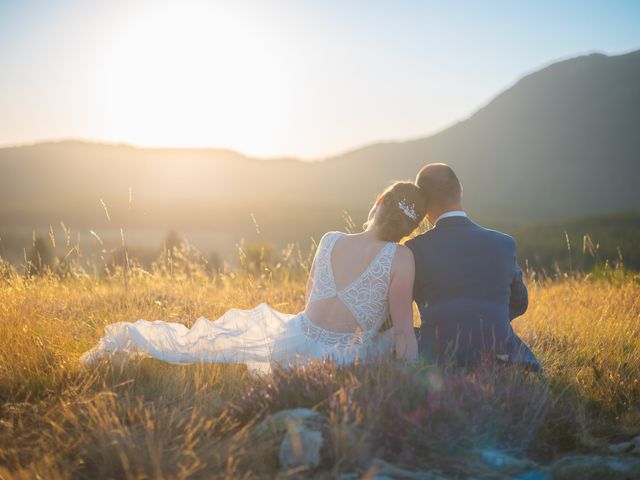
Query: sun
x=193 y=75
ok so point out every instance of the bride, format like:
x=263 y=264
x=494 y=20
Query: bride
x=356 y=282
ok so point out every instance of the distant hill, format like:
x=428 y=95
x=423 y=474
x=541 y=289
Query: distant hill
x=562 y=141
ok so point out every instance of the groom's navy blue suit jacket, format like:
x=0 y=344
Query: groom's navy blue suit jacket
x=468 y=288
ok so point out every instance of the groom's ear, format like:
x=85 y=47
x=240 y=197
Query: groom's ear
x=380 y=200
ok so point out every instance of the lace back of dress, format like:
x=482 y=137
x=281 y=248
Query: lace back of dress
x=366 y=299
x=323 y=283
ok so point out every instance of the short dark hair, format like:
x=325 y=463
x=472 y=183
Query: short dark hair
x=439 y=185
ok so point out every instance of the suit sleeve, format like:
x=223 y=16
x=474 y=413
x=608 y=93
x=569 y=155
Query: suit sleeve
x=519 y=300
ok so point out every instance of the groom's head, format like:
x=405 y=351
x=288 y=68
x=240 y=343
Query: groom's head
x=441 y=189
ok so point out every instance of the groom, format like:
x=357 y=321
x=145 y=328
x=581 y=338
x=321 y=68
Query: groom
x=468 y=286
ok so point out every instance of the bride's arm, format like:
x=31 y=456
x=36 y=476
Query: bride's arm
x=401 y=304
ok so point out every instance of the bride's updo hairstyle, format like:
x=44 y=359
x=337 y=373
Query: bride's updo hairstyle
x=400 y=210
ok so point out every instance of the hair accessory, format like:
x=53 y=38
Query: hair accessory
x=409 y=211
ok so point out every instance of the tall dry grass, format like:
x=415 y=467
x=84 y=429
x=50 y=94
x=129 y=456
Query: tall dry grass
x=147 y=419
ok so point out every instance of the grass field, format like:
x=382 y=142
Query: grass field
x=145 y=419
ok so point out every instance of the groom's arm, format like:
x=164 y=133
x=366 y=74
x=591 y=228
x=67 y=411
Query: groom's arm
x=519 y=300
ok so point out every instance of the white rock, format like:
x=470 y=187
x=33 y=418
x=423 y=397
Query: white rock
x=300 y=448
x=278 y=422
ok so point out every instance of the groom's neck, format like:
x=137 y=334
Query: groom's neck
x=435 y=213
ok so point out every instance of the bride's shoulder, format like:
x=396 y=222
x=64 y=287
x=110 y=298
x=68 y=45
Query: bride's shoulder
x=403 y=257
x=403 y=251
x=333 y=233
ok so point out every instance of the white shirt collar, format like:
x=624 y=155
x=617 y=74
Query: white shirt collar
x=452 y=213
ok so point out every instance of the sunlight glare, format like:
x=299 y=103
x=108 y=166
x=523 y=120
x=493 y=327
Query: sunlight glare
x=194 y=75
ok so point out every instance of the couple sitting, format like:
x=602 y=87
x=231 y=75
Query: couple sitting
x=464 y=279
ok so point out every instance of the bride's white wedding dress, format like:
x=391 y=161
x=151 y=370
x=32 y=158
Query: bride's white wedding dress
x=263 y=336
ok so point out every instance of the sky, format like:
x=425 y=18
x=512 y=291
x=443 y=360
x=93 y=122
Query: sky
x=268 y=78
